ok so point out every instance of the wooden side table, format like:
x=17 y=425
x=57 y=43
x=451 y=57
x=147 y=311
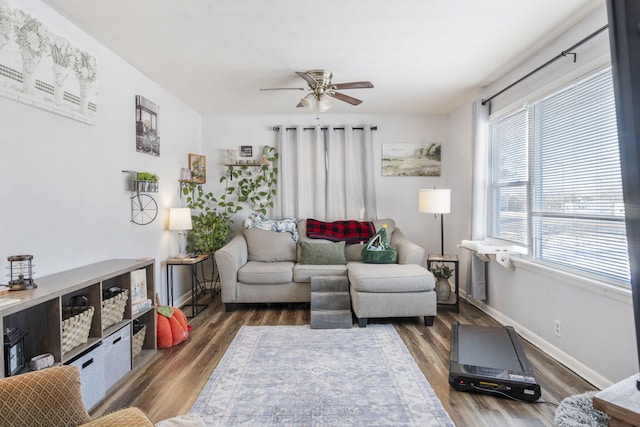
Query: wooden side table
x=195 y=282
x=621 y=401
x=448 y=259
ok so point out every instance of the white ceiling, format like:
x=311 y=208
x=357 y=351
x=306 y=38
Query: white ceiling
x=423 y=56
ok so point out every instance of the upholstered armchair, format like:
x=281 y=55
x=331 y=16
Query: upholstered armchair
x=52 y=397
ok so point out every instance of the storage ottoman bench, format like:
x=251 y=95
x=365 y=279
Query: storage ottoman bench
x=391 y=290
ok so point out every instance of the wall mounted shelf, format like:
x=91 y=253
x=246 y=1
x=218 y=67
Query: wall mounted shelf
x=144 y=208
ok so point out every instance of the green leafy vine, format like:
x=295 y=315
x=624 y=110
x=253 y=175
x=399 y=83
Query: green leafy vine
x=243 y=186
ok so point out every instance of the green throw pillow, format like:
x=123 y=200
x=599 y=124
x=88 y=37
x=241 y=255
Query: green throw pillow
x=322 y=253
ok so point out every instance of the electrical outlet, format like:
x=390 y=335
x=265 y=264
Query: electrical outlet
x=556 y=327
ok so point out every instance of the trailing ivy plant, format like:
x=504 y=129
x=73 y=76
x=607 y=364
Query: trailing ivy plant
x=243 y=186
x=255 y=188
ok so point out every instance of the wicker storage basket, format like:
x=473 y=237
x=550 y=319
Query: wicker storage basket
x=76 y=325
x=113 y=309
x=139 y=332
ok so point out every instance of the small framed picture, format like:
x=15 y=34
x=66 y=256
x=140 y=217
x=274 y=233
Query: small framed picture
x=246 y=151
x=198 y=168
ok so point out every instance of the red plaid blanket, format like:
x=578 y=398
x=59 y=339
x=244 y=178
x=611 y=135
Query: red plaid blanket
x=337 y=231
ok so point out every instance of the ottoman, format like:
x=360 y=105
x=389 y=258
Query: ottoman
x=391 y=290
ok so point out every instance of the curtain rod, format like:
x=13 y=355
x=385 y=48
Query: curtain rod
x=277 y=128
x=562 y=54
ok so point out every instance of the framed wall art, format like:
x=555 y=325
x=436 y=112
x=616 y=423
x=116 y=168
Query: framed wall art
x=45 y=69
x=198 y=168
x=246 y=151
x=147 y=135
x=411 y=159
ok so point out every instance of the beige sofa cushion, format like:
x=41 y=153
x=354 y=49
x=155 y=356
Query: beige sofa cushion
x=268 y=273
x=269 y=246
x=302 y=273
x=391 y=225
x=390 y=278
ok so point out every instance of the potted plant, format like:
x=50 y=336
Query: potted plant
x=442 y=272
x=147 y=181
x=212 y=215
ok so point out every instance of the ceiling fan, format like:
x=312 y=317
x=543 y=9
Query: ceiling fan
x=323 y=91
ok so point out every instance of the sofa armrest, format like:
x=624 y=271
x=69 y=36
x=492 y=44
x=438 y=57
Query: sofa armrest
x=229 y=259
x=130 y=417
x=408 y=252
x=51 y=396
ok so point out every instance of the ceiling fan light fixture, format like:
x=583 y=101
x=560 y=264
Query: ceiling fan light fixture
x=309 y=101
x=323 y=92
x=325 y=102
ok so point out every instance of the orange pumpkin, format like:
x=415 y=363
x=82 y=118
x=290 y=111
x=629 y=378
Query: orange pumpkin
x=172 y=326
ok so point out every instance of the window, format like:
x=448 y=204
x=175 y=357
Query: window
x=555 y=180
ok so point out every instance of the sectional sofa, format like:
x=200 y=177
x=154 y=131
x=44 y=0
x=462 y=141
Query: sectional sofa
x=265 y=266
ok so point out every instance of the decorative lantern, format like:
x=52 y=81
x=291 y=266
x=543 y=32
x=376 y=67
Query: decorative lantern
x=14 y=361
x=20 y=273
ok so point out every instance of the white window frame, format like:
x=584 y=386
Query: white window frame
x=533 y=236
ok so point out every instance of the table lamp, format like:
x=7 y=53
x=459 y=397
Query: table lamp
x=437 y=202
x=180 y=220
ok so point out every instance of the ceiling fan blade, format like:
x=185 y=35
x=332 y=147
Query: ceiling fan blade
x=312 y=82
x=283 y=88
x=346 y=98
x=299 y=105
x=353 y=85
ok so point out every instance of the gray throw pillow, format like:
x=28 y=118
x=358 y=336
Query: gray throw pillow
x=269 y=246
x=322 y=253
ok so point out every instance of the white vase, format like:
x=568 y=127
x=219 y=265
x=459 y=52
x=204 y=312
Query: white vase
x=85 y=86
x=443 y=289
x=29 y=63
x=60 y=74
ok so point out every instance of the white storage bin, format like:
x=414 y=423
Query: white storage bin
x=117 y=356
x=91 y=366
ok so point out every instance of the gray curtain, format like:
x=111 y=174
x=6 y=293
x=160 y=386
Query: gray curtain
x=325 y=173
x=477 y=283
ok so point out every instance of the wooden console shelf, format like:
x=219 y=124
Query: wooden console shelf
x=39 y=313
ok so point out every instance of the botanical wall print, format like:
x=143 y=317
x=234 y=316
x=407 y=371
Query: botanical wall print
x=411 y=159
x=147 y=136
x=43 y=68
x=198 y=167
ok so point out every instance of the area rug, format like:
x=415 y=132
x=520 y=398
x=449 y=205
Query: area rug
x=297 y=376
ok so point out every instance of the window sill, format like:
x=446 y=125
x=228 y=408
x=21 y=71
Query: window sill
x=600 y=287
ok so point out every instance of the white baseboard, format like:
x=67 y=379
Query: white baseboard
x=552 y=351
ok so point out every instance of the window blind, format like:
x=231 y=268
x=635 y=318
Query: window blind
x=556 y=182
x=577 y=204
x=508 y=193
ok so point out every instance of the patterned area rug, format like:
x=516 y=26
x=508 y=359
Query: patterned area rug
x=296 y=376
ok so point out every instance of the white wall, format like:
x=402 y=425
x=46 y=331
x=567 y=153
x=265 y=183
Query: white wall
x=63 y=195
x=397 y=196
x=64 y=199
x=597 y=330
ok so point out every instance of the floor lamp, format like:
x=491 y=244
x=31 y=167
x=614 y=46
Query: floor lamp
x=437 y=202
x=180 y=220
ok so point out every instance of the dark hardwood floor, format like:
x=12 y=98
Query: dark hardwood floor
x=169 y=383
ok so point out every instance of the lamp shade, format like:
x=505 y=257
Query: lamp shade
x=309 y=101
x=180 y=219
x=325 y=102
x=435 y=201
